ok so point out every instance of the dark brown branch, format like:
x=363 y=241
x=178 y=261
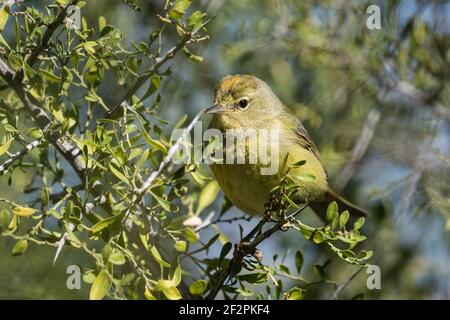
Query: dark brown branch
x=240 y=251
x=207 y=224
x=247 y=246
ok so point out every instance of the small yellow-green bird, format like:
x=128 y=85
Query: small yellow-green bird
x=247 y=102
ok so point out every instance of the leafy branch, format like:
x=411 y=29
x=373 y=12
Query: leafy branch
x=277 y=212
x=40 y=78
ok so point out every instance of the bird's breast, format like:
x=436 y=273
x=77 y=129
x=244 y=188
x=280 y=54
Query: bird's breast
x=249 y=187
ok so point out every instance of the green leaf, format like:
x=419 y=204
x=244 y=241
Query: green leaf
x=15 y=61
x=365 y=255
x=118 y=174
x=332 y=211
x=318 y=237
x=156 y=255
x=89 y=277
x=179 y=123
x=335 y=222
x=258 y=277
x=359 y=296
x=347 y=253
x=190 y=235
x=10 y=128
x=45 y=197
x=50 y=76
x=245 y=292
x=284 y=269
x=179 y=9
x=163 y=285
x=172 y=293
x=106 y=251
x=107 y=29
x=154 y=85
x=156 y=81
x=3 y=18
x=4 y=42
x=291 y=203
x=4 y=219
x=299 y=261
x=101 y=23
x=134 y=152
x=196 y=20
x=23 y=211
x=13 y=223
x=100 y=287
x=102 y=224
x=176 y=279
x=89 y=46
x=192 y=56
x=132 y=65
x=225 y=250
x=198 y=287
x=166 y=205
x=5 y=146
x=148 y=295
x=63 y=2
x=142 y=159
x=180 y=246
x=343 y=218
x=117 y=258
x=211 y=242
x=359 y=223
x=207 y=196
x=155 y=143
x=20 y=247
x=128 y=279
x=296 y=294
x=91 y=97
x=298 y=164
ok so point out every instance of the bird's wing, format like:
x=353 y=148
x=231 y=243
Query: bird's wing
x=305 y=140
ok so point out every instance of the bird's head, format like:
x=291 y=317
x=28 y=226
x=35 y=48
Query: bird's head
x=244 y=101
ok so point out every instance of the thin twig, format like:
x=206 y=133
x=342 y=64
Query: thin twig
x=170 y=154
x=29 y=238
x=344 y=284
x=208 y=222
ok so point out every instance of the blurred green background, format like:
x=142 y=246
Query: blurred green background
x=385 y=91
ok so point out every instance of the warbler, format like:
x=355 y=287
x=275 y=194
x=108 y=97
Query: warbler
x=247 y=102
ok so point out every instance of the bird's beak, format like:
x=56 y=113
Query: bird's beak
x=217 y=108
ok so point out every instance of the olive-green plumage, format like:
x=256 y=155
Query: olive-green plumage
x=246 y=102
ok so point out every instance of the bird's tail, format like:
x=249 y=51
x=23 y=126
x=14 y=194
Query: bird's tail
x=320 y=207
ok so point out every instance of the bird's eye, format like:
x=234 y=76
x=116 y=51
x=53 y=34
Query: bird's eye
x=243 y=103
